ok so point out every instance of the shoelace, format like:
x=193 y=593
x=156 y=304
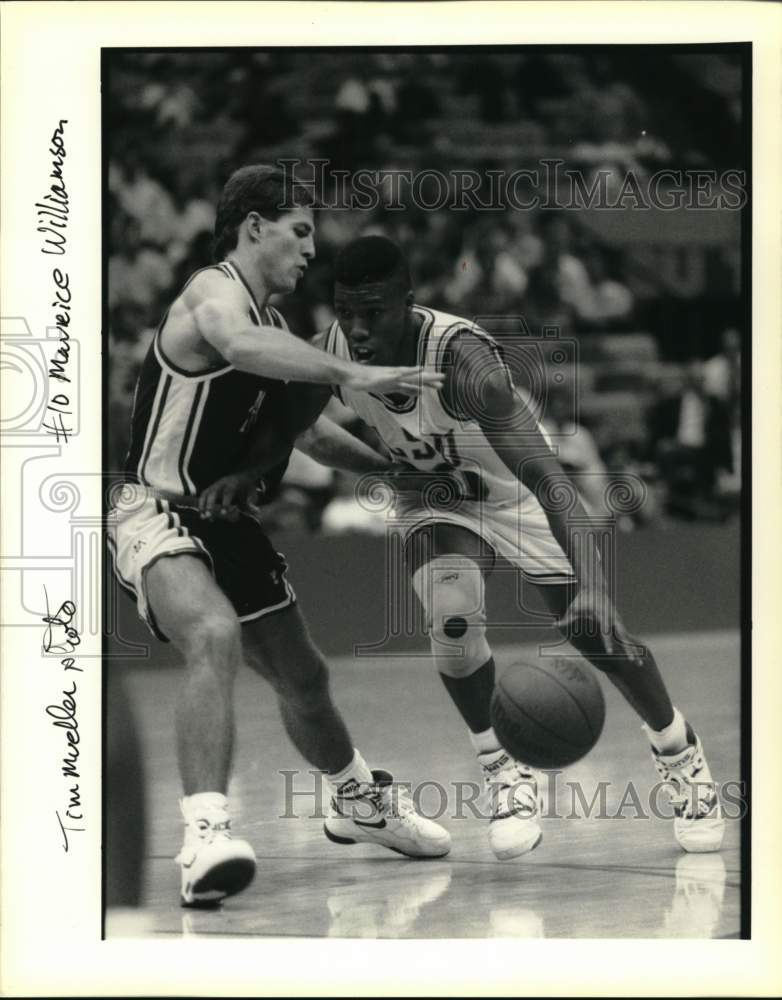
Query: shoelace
x=391 y=800
x=682 y=783
x=205 y=830
x=396 y=803
x=513 y=787
x=209 y=828
x=511 y=775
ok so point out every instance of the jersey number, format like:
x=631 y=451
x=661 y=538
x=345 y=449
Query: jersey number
x=418 y=452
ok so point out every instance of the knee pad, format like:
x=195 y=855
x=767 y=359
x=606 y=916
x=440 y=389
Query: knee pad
x=451 y=591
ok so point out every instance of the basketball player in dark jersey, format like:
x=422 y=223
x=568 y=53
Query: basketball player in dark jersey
x=478 y=433
x=211 y=388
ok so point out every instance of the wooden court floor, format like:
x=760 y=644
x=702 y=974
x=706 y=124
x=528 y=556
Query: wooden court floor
x=622 y=876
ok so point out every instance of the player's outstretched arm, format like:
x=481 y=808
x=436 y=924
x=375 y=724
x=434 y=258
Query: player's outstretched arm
x=332 y=445
x=299 y=423
x=278 y=354
x=321 y=438
x=325 y=441
x=480 y=387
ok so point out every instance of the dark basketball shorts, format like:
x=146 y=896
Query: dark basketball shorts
x=142 y=529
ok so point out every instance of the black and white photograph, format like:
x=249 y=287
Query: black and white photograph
x=425 y=400
x=390 y=527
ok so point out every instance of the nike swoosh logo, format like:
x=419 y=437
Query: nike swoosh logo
x=379 y=825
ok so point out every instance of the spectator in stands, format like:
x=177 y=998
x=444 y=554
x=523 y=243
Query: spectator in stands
x=691 y=442
x=173 y=102
x=722 y=373
x=195 y=216
x=144 y=199
x=625 y=459
x=605 y=302
x=572 y=277
x=138 y=272
x=542 y=306
x=558 y=280
x=360 y=116
x=527 y=244
x=487 y=274
x=722 y=379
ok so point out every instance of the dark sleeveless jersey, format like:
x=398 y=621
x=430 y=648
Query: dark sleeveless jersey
x=189 y=429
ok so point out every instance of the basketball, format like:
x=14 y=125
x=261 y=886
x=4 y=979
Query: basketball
x=548 y=713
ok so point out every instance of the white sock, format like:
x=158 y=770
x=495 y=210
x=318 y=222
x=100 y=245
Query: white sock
x=356 y=771
x=484 y=742
x=673 y=738
x=194 y=806
x=493 y=760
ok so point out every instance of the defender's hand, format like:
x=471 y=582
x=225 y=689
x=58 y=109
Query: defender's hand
x=369 y=378
x=226 y=497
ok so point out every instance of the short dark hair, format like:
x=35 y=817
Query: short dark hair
x=262 y=188
x=371 y=258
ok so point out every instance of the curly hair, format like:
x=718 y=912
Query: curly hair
x=261 y=188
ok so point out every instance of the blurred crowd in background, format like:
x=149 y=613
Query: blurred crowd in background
x=641 y=377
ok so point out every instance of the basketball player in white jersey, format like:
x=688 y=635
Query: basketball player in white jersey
x=477 y=431
x=212 y=392
x=476 y=434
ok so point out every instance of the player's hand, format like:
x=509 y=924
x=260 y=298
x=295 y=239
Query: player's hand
x=227 y=497
x=593 y=620
x=411 y=380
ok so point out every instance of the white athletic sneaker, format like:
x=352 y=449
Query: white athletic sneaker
x=382 y=813
x=515 y=802
x=213 y=864
x=698 y=824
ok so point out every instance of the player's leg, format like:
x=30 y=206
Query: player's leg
x=676 y=749
x=365 y=805
x=162 y=563
x=195 y=615
x=632 y=670
x=189 y=608
x=280 y=649
x=448 y=564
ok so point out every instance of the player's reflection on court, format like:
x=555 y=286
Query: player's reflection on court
x=493 y=901
x=385 y=911
x=698 y=896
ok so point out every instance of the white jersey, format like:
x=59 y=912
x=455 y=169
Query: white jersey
x=478 y=490
x=421 y=430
